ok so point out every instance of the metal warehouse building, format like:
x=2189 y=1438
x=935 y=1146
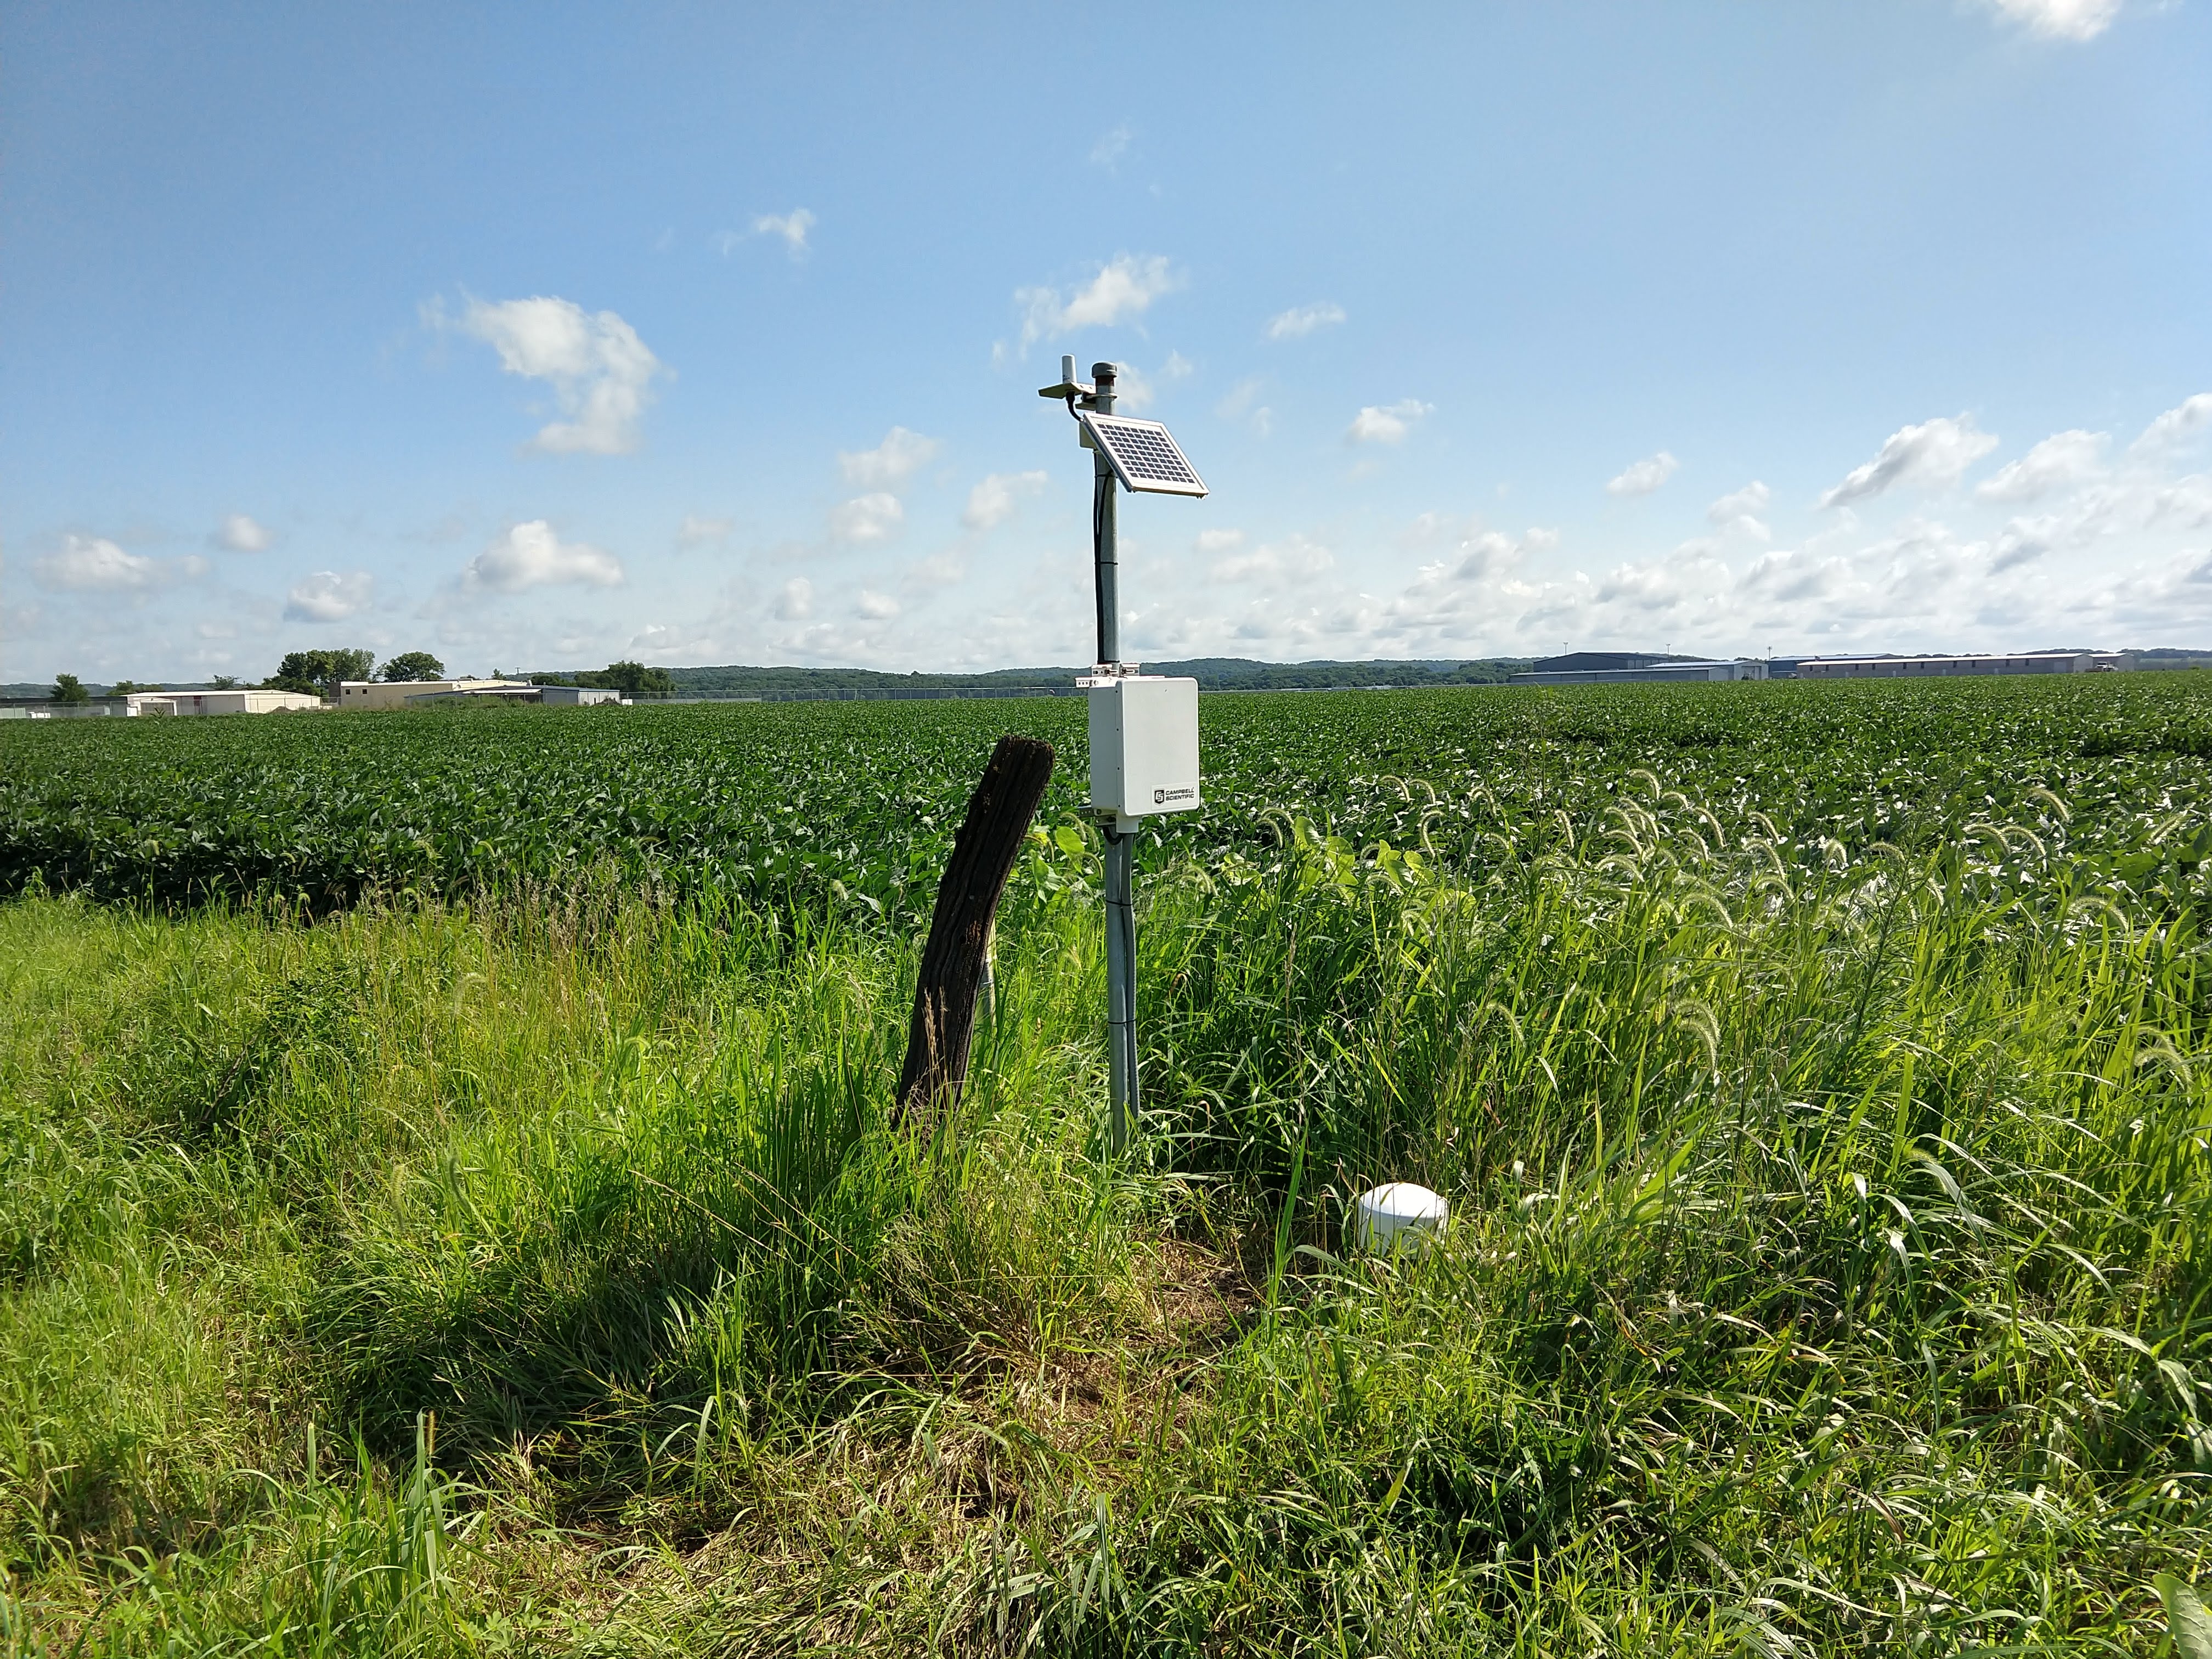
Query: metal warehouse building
x=430 y=694
x=568 y=696
x=1608 y=667
x=397 y=694
x=1898 y=668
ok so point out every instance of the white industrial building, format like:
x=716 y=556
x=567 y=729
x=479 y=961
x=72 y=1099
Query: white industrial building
x=570 y=696
x=432 y=694
x=239 y=700
x=397 y=694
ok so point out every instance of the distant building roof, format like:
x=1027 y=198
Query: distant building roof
x=1591 y=662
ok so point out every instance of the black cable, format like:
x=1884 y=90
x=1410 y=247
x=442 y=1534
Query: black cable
x=1105 y=481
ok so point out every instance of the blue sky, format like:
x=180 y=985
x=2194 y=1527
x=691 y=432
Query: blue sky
x=544 y=336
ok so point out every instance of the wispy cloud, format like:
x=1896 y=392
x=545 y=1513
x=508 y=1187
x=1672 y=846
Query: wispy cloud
x=2058 y=20
x=891 y=463
x=698 y=532
x=793 y=227
x=1292 y=559
x=1123 y=290
x=1111 y=148
x=239 y=533
x=992 y=501
x=867 y=519
x=1388 y=424
x=1301 y=320
x=1134 y=391
x=2176 y=426
x=2061 y=460
x=328 y=596
x=1739 y=510
x=601 y=373
x=1642 y=477
x=1933 y=454
x=1243 y=404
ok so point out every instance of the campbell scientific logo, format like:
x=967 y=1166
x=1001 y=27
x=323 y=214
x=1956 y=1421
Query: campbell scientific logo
x=1160 y=797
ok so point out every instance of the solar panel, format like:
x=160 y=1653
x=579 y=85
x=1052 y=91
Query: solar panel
x=1143 y=457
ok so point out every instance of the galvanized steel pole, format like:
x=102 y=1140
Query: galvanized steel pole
x=1121 y=990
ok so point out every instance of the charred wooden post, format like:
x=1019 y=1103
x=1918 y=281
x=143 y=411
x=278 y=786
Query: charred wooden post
x=956 y=959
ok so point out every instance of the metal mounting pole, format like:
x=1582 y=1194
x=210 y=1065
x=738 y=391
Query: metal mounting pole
x=1105 y=566
x=1121 y=844
x=1120 y=991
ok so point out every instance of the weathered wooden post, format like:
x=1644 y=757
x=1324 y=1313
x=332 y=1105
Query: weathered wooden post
x=955 y=959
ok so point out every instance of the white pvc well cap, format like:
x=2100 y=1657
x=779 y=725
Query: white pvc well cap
x=1400 y=1212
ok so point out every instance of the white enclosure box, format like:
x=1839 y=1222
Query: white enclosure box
x=1143 y=746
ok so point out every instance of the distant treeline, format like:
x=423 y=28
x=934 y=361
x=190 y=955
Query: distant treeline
x=1213 y=673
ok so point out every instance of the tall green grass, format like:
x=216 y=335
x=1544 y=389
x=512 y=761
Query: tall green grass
x=1827 y=1271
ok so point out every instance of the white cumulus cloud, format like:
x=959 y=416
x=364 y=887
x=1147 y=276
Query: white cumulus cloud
x=795 y=600
x=1642 y=477
x=1388 y=424
x=1740 y=510
x=992 y=501
x=793 y=227
x=2063 y=458
x=531 y=555
x=891 y=463
x=877 y=606
x=2059 y=20
x=1301 y=320
x=95 y=563
x=1123 y=288
x=239 y=533
x=875 y=517
x=327 y=596
x=600 y=372
x=1932 y=454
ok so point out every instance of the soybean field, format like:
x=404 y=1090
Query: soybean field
x=855 y=803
